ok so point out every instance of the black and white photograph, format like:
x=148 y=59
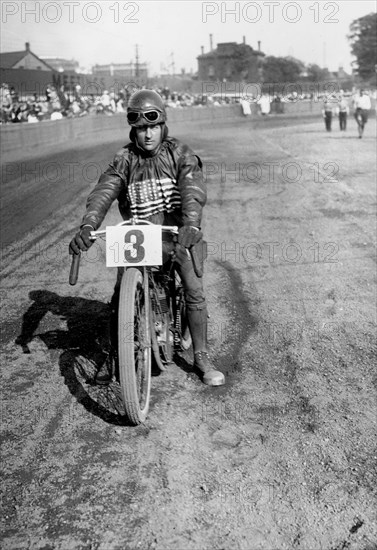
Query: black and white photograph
x=188 y=259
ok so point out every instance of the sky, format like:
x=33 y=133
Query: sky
x=172 y=32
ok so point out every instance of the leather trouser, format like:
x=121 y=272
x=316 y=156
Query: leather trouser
x=194 y=294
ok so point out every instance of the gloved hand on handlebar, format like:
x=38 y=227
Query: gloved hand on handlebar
x=189 y=235
x=82 y=240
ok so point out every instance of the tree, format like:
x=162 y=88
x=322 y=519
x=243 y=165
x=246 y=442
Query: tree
x=317 y=74
x=281 y=69
x=363 y=39
x=242 y=57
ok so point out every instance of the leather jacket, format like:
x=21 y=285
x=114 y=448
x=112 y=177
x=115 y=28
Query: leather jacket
x=165 y=186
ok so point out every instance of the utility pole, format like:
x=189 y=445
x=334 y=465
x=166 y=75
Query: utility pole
x=136 y=60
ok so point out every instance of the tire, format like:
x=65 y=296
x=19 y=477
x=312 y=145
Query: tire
x=183 y=340
x=134 y=347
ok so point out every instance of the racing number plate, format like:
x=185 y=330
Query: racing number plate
x=128 y=246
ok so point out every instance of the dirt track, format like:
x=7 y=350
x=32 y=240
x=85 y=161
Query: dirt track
x=282 y=457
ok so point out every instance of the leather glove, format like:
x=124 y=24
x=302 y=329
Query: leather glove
x=81 y=241
x=189 y=235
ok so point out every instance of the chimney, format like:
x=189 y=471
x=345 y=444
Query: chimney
x=243 y=40
x=27 y=46
x=258 y=45
x=210 y=43
x=202 y=48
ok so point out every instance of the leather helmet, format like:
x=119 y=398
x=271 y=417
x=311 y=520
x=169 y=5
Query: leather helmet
x=145 y=108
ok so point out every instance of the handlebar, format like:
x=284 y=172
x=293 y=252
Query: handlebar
x=171 y=228
x=74 y=273
x=75 y=264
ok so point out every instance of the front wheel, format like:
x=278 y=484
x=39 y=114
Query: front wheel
x=134 y=346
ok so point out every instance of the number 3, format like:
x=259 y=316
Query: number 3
x=133 y=251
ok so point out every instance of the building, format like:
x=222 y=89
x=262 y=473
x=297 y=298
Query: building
x=59 y=64
x=25 y=59
x=121 y=71
x=230 y=62
x=29 y=74
x=25 y=72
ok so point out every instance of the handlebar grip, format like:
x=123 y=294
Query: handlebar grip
x=74 y=273
x=196 y=262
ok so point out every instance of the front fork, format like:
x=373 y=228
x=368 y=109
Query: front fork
x=147 y=304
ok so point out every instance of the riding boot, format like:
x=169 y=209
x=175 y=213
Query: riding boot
x=198 y=321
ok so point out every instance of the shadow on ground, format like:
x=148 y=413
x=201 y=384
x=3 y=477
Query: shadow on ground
x=85 y=345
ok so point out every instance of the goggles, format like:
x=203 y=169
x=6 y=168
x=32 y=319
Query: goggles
x=151 y=116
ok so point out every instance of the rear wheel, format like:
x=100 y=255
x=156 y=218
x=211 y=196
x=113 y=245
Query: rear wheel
x=134 y=346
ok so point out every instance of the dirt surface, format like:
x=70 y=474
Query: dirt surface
x=281 y=457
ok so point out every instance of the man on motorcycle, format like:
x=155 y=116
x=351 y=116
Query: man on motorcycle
x=159 y=179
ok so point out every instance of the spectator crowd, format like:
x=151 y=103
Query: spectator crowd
x=59 y=103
